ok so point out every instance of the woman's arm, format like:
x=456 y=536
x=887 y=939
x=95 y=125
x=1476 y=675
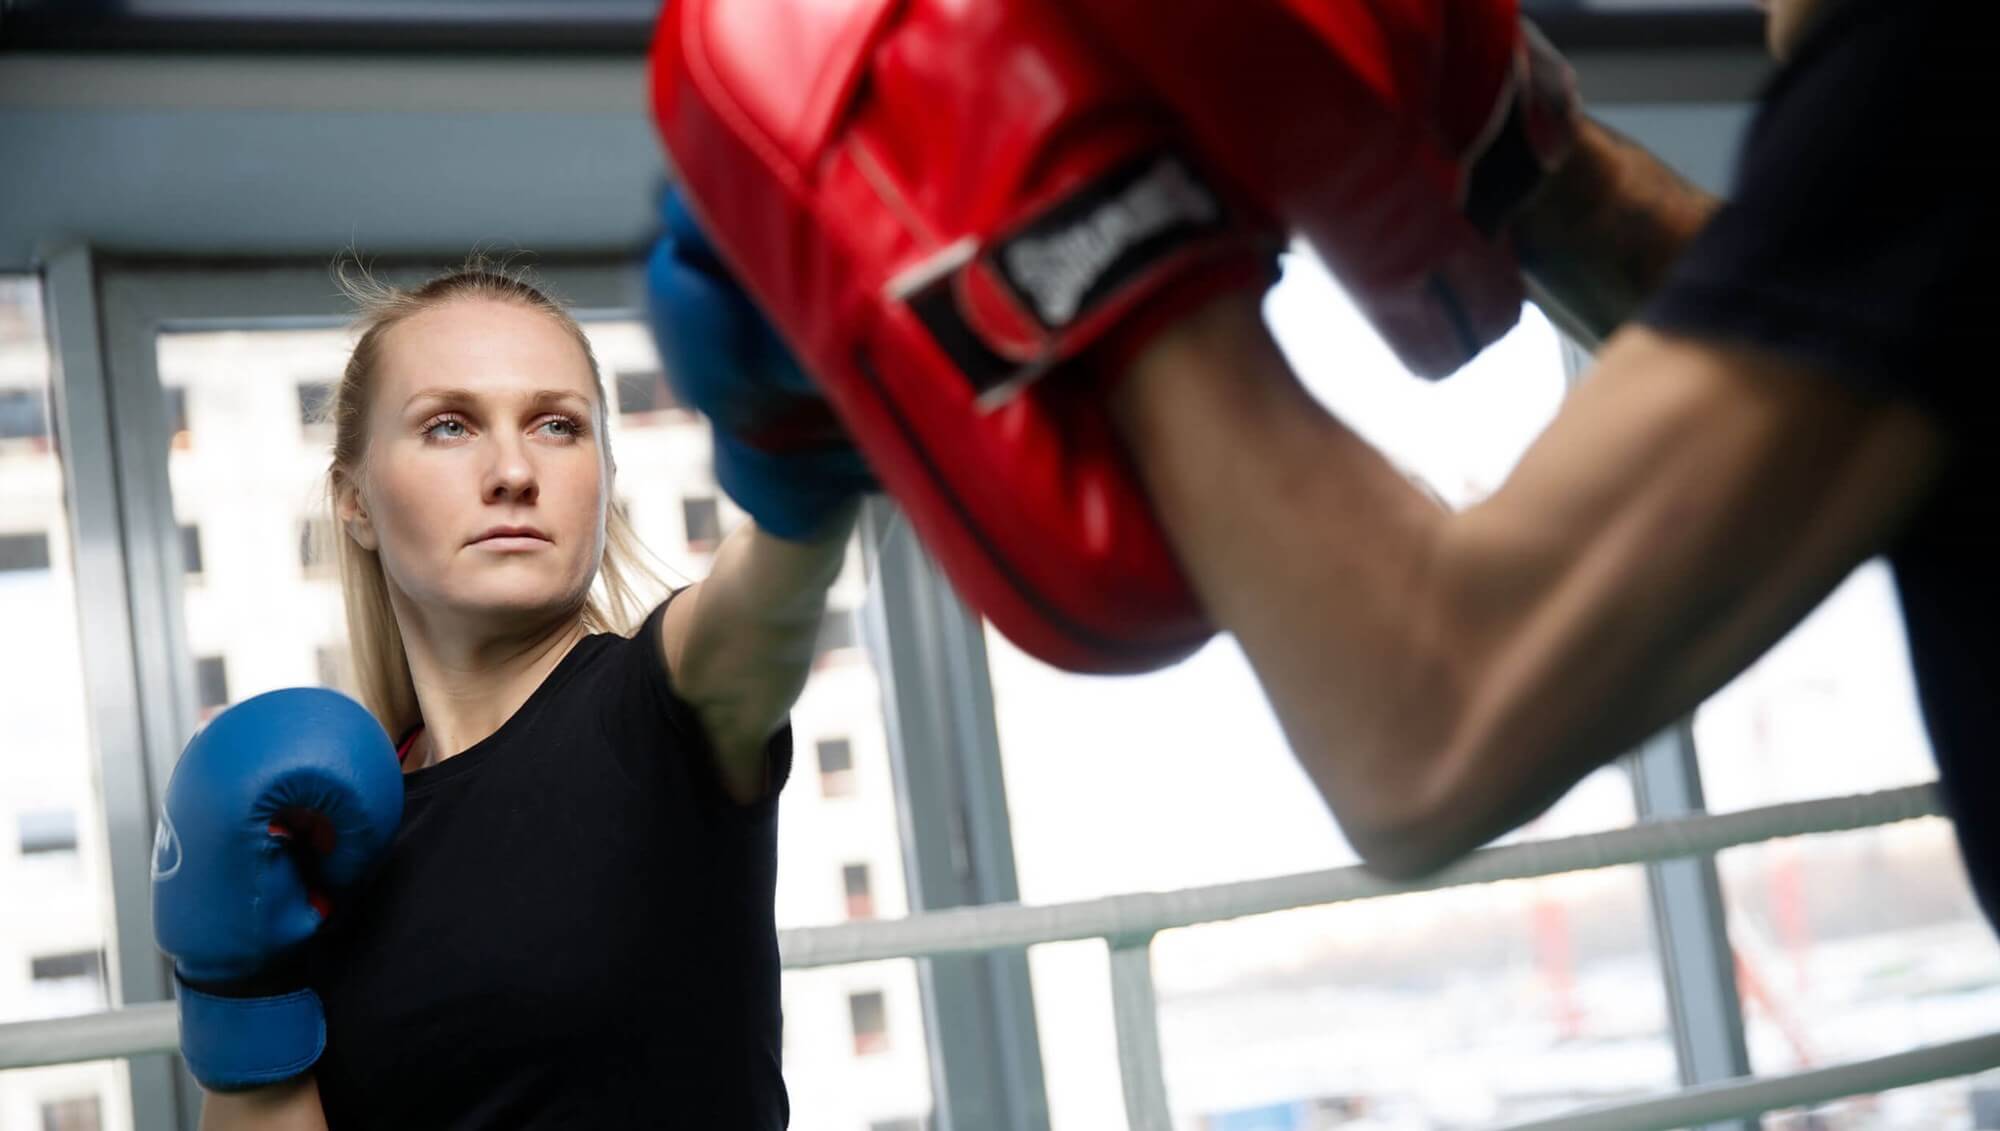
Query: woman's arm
x=740 y=644
x=290 y=1106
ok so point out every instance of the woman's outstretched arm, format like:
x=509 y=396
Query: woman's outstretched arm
x=740 y=644
x=290 y=1106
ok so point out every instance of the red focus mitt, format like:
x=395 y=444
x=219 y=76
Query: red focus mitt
x=1397 y=136
x=937 y=202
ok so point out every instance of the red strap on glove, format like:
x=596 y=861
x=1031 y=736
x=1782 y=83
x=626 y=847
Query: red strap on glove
x=937 y=202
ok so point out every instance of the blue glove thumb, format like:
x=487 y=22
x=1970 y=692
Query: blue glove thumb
x=779 y=450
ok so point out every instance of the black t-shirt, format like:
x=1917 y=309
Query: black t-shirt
x=1860 y=241
x=573 y=927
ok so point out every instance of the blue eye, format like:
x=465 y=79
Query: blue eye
x=570 y=428
x=431 y=429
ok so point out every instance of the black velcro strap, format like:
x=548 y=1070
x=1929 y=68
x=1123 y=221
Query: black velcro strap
x=1076 y=256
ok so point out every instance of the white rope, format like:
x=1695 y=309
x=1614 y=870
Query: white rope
x=1011 y=926
x=1742 y=1099
x=1124 y=918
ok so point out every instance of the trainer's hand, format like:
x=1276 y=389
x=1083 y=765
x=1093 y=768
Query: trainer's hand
x=779 y=451
x=280 y=804
x=1397 y=137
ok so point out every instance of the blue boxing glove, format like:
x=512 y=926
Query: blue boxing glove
x=779 y=450
x=279 y=804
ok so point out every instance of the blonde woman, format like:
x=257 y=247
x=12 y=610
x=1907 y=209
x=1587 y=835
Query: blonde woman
x=571 y=925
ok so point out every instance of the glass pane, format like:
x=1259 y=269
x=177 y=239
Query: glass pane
x=55 y=931
x=1469 y=1008
x=1207 y=791
x=246 y=470
x=1530 y=998
x=1859 y=944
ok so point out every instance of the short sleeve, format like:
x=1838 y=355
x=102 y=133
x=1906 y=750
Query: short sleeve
x=1858 y=239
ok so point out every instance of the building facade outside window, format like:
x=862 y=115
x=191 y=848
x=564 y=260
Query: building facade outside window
x=55 y=886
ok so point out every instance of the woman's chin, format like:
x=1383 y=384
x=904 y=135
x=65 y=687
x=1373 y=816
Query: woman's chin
x=518 y=604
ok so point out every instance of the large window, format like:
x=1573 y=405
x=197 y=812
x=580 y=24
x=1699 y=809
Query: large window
x=1182 y=777
x=54 y=881
x=1859 y=944
x=252 y=481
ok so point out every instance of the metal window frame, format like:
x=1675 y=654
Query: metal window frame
x=1690 y=922
x=621 y=27
x=958 y=850
x=110 y=649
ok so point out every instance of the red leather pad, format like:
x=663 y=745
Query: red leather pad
x=944 y=206
x=1355 y=122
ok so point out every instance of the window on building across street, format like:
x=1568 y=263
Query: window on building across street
x=177 y=418
x=860 y=897
x=78 y=1114
x=643 y=391
x=314 y=399
x=836 y=767
x=836 y=633
x=211 y=675
x=23 y=416
x=871 y=1022
x=191 y=550
x=47 y=831
x=66 y=983
x=703 y=522
x=20 y=552
x=316 y=547
x=82 y=965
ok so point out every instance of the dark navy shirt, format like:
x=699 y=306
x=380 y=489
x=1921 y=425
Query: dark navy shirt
x=574 y=926
x=1860 y=241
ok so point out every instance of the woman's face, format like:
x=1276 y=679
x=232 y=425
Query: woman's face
x=484 y=416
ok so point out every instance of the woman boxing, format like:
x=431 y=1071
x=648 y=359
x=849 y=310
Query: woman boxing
x=571 y=926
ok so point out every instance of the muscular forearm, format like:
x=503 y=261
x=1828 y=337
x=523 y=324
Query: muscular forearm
x=1312 y=549
x=1601 y=235
x=1443 y=677
x=291 y=1106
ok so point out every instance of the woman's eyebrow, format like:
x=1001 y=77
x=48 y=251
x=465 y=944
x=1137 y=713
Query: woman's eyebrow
x=538 y=397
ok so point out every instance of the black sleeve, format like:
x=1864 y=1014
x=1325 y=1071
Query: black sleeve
x=687 y=725
x=1858 y=238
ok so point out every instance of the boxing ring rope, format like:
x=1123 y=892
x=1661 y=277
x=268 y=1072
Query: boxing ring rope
x=1129 y=922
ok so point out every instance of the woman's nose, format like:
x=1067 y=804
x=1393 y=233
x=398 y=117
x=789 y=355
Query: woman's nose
x=512 y=475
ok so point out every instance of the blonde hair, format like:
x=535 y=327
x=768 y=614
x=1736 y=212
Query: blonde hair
x=618 y=597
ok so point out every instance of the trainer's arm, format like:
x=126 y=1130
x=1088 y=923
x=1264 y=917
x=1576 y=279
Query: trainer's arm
x=740 y=645
x=1600 y=236
x=1444 y=677
x=290 y=1106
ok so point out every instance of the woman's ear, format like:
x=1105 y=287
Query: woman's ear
x=352 y=511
